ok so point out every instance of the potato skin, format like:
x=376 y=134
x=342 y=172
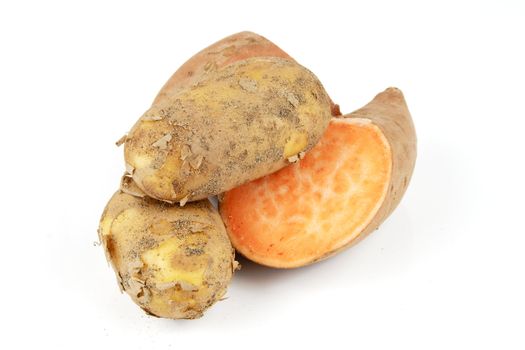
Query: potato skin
x=247 y=120
x=173 y=262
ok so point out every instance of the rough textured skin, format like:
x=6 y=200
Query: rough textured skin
x=173 y=262
x=244 y=121
x=229 y=50
x=347 y=185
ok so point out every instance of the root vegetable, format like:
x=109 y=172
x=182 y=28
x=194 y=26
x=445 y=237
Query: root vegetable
x=173 y=262
x=242 y=122
x=229 y=50
x=342 y=190
x=296 y=182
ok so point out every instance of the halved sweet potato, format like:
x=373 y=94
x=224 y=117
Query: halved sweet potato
x=343 y=189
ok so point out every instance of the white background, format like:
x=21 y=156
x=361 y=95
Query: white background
x=447 y=269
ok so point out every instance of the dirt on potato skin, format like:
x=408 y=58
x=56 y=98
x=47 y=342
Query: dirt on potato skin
x=199 y=241
x=226 y=130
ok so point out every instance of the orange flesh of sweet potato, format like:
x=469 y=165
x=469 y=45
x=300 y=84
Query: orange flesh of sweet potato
x=294 y=215
x=342 y=189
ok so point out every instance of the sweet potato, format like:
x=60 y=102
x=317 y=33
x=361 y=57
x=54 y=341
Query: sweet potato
x=343 y=189
x=173 y=262
x=242 y=122
x=229 y=50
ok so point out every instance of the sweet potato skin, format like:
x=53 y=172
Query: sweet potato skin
x=173 y=262
x=243 y=122
x=231 y=49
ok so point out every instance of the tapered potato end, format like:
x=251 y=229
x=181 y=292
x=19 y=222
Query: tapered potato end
x=342 y=189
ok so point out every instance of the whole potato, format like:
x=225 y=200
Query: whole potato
x=173 y=262
x=243 y=121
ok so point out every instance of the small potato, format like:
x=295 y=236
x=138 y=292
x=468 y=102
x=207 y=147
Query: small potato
x=174 y=262
x=244 y=121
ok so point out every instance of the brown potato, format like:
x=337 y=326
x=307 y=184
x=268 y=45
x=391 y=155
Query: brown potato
x=245 y=121
x=173 y=262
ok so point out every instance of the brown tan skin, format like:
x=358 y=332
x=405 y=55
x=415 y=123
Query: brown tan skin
x=229 y=50
x=242 y=122
x=173 y=262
